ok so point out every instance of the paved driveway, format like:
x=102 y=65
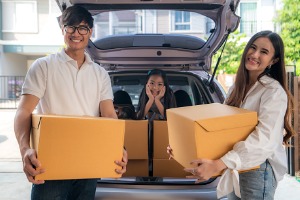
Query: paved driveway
x=14 y=185
x=13 y=182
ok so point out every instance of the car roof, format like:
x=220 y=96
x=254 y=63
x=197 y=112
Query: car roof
x=165 y=50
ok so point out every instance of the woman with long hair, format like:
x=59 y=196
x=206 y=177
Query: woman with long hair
x=260 y=86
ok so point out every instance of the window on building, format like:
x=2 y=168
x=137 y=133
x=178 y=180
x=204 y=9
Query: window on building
x=181 y=21
x=248 y=13
x=19 y=16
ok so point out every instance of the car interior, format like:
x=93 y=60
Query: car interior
x=187 y=89
x=127 y=86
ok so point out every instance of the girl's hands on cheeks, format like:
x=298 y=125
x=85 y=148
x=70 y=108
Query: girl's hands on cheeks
x=148 y=92
x=161 y=93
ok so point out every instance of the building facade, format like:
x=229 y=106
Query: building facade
x=28 y=30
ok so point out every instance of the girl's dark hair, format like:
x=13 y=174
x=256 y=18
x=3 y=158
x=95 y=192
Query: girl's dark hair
x=169 y=100
x=74 y=15
x=277 y=71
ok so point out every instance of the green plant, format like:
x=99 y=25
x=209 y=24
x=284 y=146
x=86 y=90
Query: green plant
x=231 y=55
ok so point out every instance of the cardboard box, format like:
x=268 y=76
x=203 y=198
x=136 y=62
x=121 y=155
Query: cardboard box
x=77 y=147
x=160 y=139
x=168 y=168
x=207 y=131
x=137 y=167
x=136 y=139
x=136 y=143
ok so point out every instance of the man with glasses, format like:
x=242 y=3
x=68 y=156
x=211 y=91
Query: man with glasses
x=65 y=83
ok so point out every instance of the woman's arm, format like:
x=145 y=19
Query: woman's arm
x=267 y=136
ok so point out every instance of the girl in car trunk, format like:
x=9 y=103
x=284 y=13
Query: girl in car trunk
x=155 y=97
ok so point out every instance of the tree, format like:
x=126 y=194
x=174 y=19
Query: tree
x=289 y=20
x=232 y=54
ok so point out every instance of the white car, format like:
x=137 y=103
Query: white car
x=132 y=37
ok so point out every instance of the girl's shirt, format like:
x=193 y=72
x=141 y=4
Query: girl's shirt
x=269 y=100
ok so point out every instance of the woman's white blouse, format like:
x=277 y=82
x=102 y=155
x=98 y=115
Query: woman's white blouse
x=269 y=100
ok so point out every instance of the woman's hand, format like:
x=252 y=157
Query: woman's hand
x=204 y=169
x=170 y=152
x=122 y=163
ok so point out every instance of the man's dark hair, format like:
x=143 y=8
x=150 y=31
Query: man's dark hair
x=74 y=15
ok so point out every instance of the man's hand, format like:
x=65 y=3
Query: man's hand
x=122 y=163
x=31 y=165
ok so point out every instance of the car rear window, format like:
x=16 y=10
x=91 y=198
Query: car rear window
x=133 y=85
x=151 y=21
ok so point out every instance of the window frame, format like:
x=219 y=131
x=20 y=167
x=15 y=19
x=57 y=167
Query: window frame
x=13 y=21
x=173 y=22
x=255 y=21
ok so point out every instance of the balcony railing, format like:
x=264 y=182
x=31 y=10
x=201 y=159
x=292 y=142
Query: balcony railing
x=10 y=91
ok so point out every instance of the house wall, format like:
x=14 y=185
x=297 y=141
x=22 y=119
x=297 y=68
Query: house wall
x=163 y=22
x=265 y=13
x=18 y=49
x=13 y=64
x=48 y=28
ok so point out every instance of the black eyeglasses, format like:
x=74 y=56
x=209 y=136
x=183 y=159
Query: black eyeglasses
x=82 y=30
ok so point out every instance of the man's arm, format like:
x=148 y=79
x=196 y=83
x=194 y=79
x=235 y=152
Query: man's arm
x=22 y=126
x=107 y=109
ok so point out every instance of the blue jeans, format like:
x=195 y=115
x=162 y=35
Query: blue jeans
x=81 y=189
x=257 y=184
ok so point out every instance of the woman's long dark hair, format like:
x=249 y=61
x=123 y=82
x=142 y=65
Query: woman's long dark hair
x=169 y=100
x=277 y=71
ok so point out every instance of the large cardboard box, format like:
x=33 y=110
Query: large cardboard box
x=160 y=139
x=136 y=143
x=168 y=168
x=77 y=147
x=207 y=131
x=137 y=167
x=136 y=139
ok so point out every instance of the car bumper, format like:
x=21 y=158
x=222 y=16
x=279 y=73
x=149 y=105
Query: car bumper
x=161 y=191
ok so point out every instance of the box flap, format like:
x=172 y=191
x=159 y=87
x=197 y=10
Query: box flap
x=160 y=139
x=136 y=139
x=36 y=120
x=35 y=135
x=229 y=122
x=216 y=116
x=206 y=111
